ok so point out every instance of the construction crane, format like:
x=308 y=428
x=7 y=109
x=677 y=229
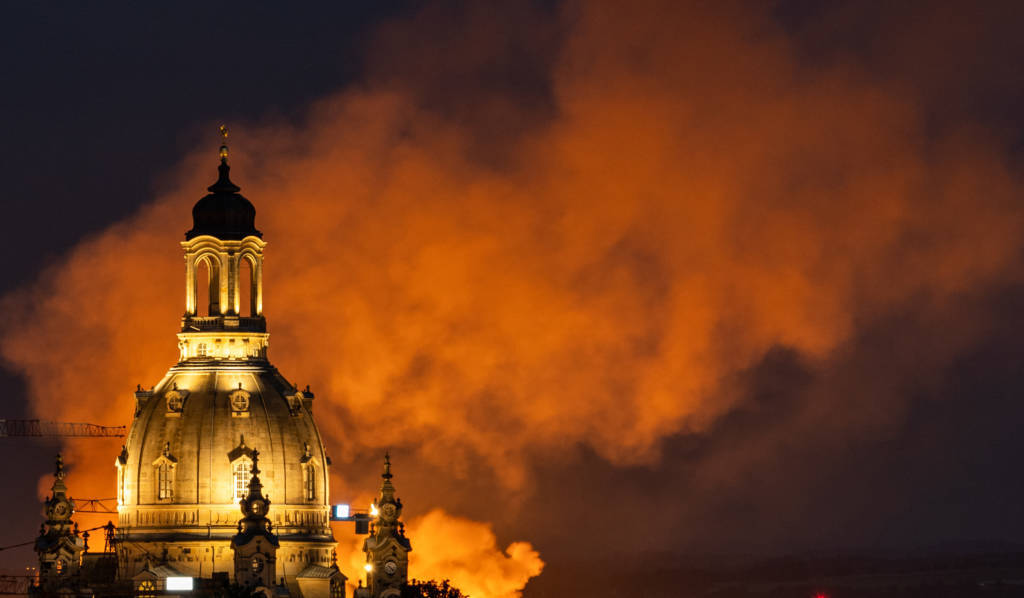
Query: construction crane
x=35 y=427
x=96 y=505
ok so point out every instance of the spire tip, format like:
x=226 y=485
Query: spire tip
x=387 y=465
x=224 y=144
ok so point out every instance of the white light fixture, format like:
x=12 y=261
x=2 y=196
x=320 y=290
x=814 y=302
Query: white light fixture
x=180 y=583
x=341 y=511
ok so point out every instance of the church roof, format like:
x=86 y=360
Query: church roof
x=224 y=213
x=157 y=572
x=209 y=435
x=320 y=572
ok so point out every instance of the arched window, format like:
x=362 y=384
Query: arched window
x=165 y=481
x=337 y=589
x=146 y=589
x=242 y=473
x=309 y=481
x=246 y=286
x=207 y=285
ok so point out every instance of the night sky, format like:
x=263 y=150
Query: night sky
x=630 y=285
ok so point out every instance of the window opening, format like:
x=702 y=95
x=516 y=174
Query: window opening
x=242 y=473
x=310 y=482
x=147 y=589
x=207 y=286
x=165 y=490
x=246 y=287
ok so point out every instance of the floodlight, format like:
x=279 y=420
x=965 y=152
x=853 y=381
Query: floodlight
x=179 y=583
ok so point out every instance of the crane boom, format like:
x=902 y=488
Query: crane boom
x=95 y=505
x=35 y=427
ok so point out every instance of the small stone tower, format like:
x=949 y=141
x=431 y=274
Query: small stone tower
x=59 y=546
x=255 y=546
x=387 y=549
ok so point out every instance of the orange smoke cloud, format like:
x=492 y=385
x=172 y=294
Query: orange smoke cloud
x=699 y=198
x=463 y=551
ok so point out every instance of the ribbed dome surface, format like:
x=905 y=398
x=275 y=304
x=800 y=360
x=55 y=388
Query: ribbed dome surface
x=224 y=213
x=194 y=419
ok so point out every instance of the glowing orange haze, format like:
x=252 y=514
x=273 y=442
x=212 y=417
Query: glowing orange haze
x=699 y=199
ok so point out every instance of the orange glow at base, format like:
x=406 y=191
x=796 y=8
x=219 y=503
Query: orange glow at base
x=463 y=551
x=694 y=199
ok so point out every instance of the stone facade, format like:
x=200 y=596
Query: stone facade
x=188 y=456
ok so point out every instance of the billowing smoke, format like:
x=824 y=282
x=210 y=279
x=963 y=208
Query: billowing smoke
x=462 y=551
x=690 y=198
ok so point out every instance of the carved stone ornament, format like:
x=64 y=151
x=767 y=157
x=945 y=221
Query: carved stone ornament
x=239 y=401
x=175 y=400
x=295 y=403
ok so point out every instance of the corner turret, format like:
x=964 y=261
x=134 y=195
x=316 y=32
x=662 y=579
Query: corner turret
x=59 y=544
x=387 y=549
x=255 y=545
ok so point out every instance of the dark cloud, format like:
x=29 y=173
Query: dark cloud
x=658 y=279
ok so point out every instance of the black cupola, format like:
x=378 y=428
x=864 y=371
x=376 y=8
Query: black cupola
x=224 y=213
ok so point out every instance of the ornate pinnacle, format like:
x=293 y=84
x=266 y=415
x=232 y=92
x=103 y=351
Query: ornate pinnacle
x=255 y=462
x=224 y=184
x=387 y=489
x=59 y=472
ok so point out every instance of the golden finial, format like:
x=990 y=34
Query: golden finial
x=59 y=473
x=224 y=144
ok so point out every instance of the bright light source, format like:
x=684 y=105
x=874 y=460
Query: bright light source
x=368 y=567
x=179 y=583
x=373 y=510
x=341 y=511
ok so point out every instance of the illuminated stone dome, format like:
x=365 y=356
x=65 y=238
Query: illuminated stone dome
x=188 y=456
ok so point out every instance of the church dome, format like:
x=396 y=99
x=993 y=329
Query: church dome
x=224 y=213
x=189 y=455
